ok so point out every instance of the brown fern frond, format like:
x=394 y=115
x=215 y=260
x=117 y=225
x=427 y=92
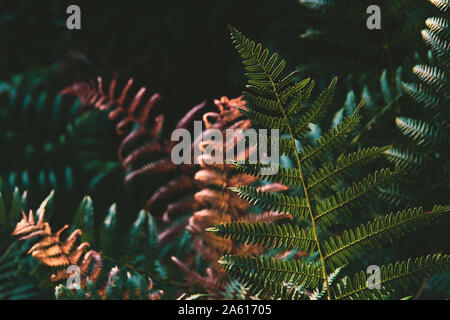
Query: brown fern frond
x=143 y=151
x=208 y=282
x=186 y=204
x=51 y=251
x=268 y=216
x=172 y=232
x=123 y=115
x=58 y=254
x=173 y=187
x=217 y=203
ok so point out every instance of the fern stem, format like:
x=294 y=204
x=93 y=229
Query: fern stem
x=305 y=189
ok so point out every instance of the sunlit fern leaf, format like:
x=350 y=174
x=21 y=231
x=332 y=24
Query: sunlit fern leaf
x=422 y=133
x=432 y=76
x=421 y=95
x=235 y=290
x=424 y=156
x=262 y=70
x=285 y=145
x=438 y=25
x=292 y=95
x=439 y=46
x=315 y=112
x=413 y=161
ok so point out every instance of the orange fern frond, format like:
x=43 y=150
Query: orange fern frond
x=51 y=251
x=143 y=151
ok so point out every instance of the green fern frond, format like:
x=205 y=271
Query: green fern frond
x=323 y=177
x=443 y=5
x=394 y=276
x=285 y=145
x=314 y=113
x=432 y=76
x=287 y=176
x=439 y=26
x=318 y=294
x=273 y=278
x=266 y=121
x=332 y=138
x=439 y=46
x=292 y=205
x=398 y=195
x=421 y=132
x=422 y=95
x=342 y=250
x=413 y=161
x=339 y=203
x=292 y=95
x=262 y=70
x=268 y=235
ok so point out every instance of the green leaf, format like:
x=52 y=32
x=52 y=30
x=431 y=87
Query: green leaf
x=273 y=278
x=292 y=205
x=398 y=276
x=268 y=235
x=326 y=176
x=341 y=250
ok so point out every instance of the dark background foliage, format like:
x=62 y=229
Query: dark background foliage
x=178 y=48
